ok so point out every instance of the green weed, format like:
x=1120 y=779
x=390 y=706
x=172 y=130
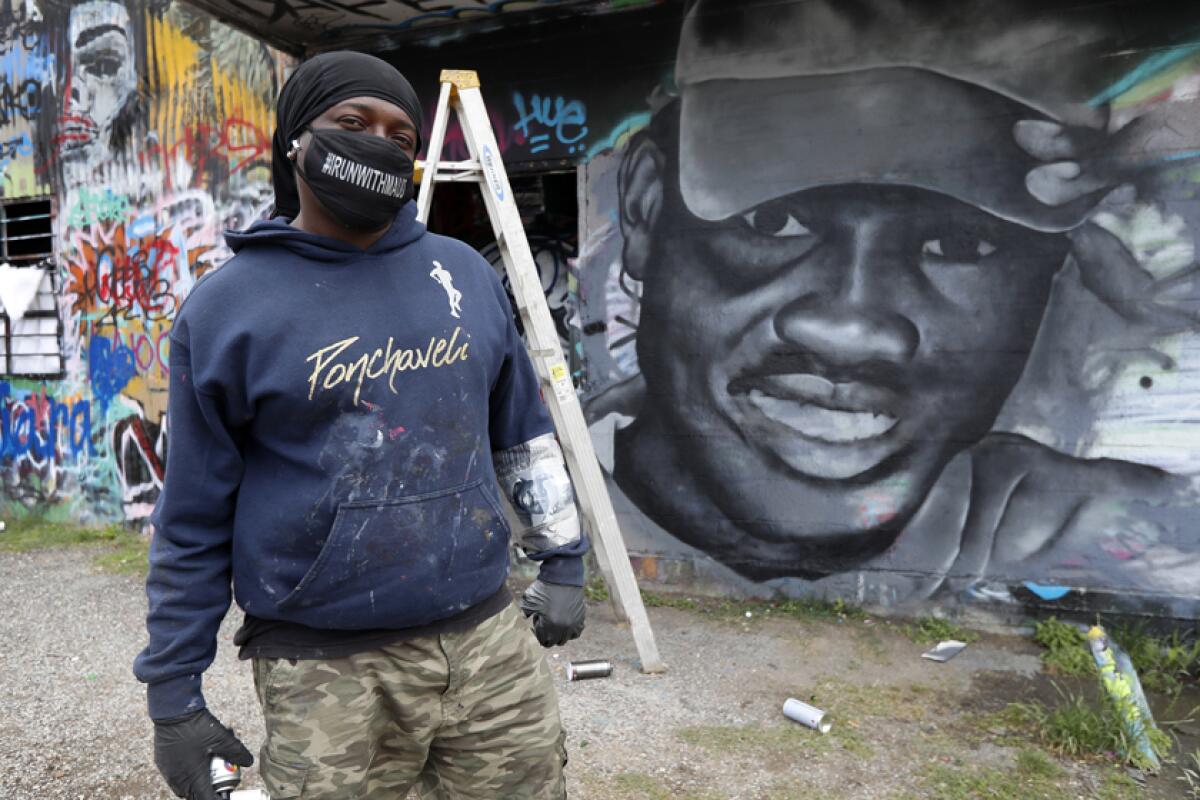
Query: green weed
x=931 y=630
x=652 y=600
x=1190 y=766
x=1033 y=776
x=1163 y=663
x=1066 y=646
x=1035 y=764
x=1079 y=729
x=34 y=533
x=848 y=702
x=121 y=551
x=808 y=608
x=1118 y=786
x=596 y=590
x=130 y=555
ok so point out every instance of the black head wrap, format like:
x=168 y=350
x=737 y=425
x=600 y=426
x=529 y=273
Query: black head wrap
x=317 y=84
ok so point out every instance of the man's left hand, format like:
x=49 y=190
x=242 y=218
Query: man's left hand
x=557 y=611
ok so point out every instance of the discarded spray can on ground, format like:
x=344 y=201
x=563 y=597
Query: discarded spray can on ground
x=585 y=670
x=807 y=715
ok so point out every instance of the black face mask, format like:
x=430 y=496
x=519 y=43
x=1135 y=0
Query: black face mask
x=362 y=180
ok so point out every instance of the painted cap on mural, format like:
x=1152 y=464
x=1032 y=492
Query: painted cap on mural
x=782 y=95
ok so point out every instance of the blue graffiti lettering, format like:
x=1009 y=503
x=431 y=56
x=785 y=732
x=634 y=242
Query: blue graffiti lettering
x=544 y=121
x=32 y=426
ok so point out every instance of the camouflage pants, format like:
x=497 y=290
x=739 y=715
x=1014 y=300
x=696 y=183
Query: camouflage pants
x=470 y=716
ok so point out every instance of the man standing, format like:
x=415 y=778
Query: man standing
x=847 y=226
x=341 y=436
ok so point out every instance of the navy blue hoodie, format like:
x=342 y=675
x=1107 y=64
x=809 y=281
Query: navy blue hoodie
x=333 y=413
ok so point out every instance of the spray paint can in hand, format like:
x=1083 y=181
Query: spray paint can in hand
x=225 y=776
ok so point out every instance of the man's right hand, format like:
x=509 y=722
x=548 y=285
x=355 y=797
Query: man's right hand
x=184 y=747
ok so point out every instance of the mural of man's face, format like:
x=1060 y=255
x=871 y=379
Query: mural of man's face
x=816 y=359
x=101 y=78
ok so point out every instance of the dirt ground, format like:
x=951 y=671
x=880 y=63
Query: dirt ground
x=72 y=721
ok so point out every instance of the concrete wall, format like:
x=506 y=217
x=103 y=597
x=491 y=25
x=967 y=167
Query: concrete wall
x=148 y=126
x=889 y=300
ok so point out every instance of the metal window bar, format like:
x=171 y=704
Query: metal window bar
x=32 y=347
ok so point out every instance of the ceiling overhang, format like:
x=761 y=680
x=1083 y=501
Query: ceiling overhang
x=303 y=27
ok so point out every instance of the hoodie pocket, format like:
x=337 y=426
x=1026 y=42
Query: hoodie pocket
x=403 y=562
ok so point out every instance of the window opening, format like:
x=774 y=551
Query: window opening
x=31 y=345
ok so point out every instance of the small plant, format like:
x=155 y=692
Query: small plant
x=596 y=590
x=1034 y=763
x=931 y=630
x=1191 y=774
x=816 y=607
x=1163 y=663
x=1066 y=646
x=805 y=608
x=1078 y=729
x=652 y=600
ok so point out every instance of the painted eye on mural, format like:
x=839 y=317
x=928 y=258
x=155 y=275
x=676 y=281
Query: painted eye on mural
x=958 y=248
x=776 y=222
x=102 y=66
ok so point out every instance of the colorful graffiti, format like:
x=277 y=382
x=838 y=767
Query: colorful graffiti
x=45 y=441
x=27 y=82
x=151 y=122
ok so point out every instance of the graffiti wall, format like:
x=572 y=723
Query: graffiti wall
x=149 y=124
x=890 y=300
x=883 y=299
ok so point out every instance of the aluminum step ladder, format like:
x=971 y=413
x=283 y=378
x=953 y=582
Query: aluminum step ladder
x=460 y=92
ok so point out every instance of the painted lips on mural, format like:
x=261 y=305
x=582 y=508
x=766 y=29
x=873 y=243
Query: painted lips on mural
x=819 y=425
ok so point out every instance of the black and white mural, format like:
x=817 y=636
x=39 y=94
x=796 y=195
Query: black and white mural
x=890 y=300
x=898 y=301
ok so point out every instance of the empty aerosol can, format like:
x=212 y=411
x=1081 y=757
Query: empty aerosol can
x=225 y=776
x=583 y=670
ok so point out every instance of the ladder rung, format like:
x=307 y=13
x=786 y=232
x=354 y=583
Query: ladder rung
x=450 y=164
x=458 y=177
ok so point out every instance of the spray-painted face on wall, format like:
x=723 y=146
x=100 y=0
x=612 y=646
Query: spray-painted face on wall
x=831 y=342
x=101 y=79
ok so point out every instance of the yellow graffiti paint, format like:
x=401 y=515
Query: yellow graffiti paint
x=174 y=57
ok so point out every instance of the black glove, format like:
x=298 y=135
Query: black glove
x=184 y=746
x=557 y=611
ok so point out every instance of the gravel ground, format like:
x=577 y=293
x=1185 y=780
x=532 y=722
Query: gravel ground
x=73 y=724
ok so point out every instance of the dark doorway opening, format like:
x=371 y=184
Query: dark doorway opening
x=550 y=213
